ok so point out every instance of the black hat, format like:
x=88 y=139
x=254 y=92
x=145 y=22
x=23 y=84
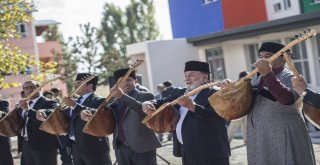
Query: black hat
x=271 y=47
x=84 y=76
x=121 y=72
x=197 y=66
x=312 y=98
x=243 y=74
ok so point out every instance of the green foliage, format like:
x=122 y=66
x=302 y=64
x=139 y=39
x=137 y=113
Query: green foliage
x=52 y=34
x=122 y=27
x=86 y=48
x=67 y=63
x=12 y=60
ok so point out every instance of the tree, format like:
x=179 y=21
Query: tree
x=52 y=34
x=120 y=28
x=12 y=60
x=66 y=62
x=86 y=48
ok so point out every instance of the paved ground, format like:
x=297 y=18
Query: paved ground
x=238 y=152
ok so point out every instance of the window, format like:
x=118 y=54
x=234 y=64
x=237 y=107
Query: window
x=277 y=7
x=317 y=58
x=299 y=52
x=22 y=29
x=252 y=52
x=287 y=4
x=208 y=1
x=216 y=61
x=316 y=1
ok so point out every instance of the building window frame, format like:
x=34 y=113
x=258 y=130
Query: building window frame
x=287 y=4
x=205 y=2
x=252 y=50
x=215 y=58
x=277 y=7
x=317 y=58
x=301 y=59
x=22 y=29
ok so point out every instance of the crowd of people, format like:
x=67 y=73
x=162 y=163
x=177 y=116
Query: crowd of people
x=275 y=131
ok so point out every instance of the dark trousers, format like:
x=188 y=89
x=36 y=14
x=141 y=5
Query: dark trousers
x=188 y=160
x=5 y=154
x=33 y=157
x=92 y=159
x=65 y=150
x=126 y=156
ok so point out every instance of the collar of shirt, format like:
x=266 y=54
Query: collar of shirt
x=84 y=97
x=277 y=70
x=34 y=101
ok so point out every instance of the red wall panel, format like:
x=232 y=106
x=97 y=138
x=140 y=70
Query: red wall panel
x=237 y=13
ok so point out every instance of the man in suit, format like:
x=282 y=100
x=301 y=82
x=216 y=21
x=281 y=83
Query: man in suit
x=169 y=88
x=5 y=153
x=38 y=147
x=86 y=149
x=134 y=143
x=201 y=135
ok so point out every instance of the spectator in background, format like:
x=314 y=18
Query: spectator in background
x=242 y=122
x=56 y=94
x=168 y=88
x=48 y=94
x=160 y=89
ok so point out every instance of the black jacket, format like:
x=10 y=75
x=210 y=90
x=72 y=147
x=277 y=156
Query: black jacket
x=39 y=140
x=204 y=133
x=86 y=143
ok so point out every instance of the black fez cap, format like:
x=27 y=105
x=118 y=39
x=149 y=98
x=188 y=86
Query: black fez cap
x=271 y=47
x=197 y=66
x=84 y=76
x=312 y=98
x=121 y=72
x=243 y=74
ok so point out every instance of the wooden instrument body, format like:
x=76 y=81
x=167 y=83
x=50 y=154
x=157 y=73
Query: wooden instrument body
x=11 y=124
x=103 y=121
x=234 y=101
x=165 y=121
x=312 y=114
x=102 y=124
x=57 y=123
x=311 y=107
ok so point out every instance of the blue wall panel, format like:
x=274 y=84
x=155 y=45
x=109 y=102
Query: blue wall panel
x=191 y=18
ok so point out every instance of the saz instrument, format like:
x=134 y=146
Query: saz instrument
x=235 y=100
x=166 y=117
x=12 y=123
x=103 y=122
x=311 y=112
x=57 y=122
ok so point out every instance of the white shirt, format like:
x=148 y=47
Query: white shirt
x=183 y=112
